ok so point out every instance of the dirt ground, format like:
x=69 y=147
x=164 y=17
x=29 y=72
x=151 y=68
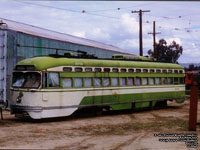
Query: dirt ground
x=115 y=130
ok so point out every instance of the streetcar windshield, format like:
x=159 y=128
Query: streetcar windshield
x=26 y=80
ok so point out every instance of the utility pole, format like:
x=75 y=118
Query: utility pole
x=154 y=39
x=140 y=27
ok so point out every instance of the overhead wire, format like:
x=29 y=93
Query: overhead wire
x=74 y=11
x=119 y=8
x=100 y=15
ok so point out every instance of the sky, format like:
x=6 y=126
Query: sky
x=112 y=22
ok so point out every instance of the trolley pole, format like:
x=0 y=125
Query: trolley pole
x=193 y=104
x=140 y=28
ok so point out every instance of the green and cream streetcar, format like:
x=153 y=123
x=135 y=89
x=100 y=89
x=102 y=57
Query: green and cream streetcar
x=47 y=86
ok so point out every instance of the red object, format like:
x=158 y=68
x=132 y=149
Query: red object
x=193 y=104
x=188 y=77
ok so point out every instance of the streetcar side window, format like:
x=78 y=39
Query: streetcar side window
x=158 y=81
x=138 y=70
x=170 y=71
x=106 y=69
x=182 y=81
x=88 y=69
x=67 y=82
x=175 y=71
x=67 y=69
x=151 y=81
x=122 y=81
x=88 y=82
x=158 y=71
x=106 y=82
x=131 y=70
x=130 y=81
x=115 y=70
x=144 y=81
x=138 y=81
x=123 y=70
x=115 y=82
x=175 y=80
x=164 y=80
x=78 y=82
x=164 y=71
x=54 y=79
x=97 y=69
x=145 y=70
x=78 y=69
x=152 y=70
x=170 y=80
x=97 y=82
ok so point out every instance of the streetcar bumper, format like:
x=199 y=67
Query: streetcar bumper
x=22 y=109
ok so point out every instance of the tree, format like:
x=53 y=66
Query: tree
x=166 y=53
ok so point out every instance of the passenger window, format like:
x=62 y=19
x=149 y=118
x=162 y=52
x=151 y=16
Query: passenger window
x=158 y=71
x=106 y=82
x=182 y=80
x=164 y=71
x=122 y=81
x=138 y=81
x=158 y=81
x=54 y=79
x=97 y=69
x=130 y=70
x=123 y=70
x=138 y=70
x=145 y=70
x=88 y=82
x=130 y=81
x=164 y=80
x=88 y=69
x=115 y=70
x=152 y=70
x=67 y=82
x=170 y=80
x=106 y=69
x=169 y=71
x=97 y=82
x=67 y=69
x=180 y=71
x=78 y=69
x=144 y=81
x=151 y=81
x=175 y=71
x=115 y=82
x=78 y=82
x=175 y=80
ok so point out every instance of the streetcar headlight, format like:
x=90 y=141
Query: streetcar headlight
x=19 y=99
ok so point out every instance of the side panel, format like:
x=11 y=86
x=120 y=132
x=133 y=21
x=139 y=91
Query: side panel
x=63 y=102
x=3 y=64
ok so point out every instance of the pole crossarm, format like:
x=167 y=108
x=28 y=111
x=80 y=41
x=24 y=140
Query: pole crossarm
x=154 y=39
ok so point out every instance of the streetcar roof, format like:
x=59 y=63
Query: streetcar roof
x=45 y=62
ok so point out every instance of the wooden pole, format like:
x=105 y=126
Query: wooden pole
x=193 y=104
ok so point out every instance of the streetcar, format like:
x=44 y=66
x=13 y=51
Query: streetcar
x=53 y=86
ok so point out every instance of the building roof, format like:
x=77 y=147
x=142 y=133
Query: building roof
x=41 y=32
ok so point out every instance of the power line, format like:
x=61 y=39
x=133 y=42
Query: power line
x=120 y=8
x=74 y=11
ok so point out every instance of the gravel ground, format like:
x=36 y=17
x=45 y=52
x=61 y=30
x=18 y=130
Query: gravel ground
x=115 y=130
